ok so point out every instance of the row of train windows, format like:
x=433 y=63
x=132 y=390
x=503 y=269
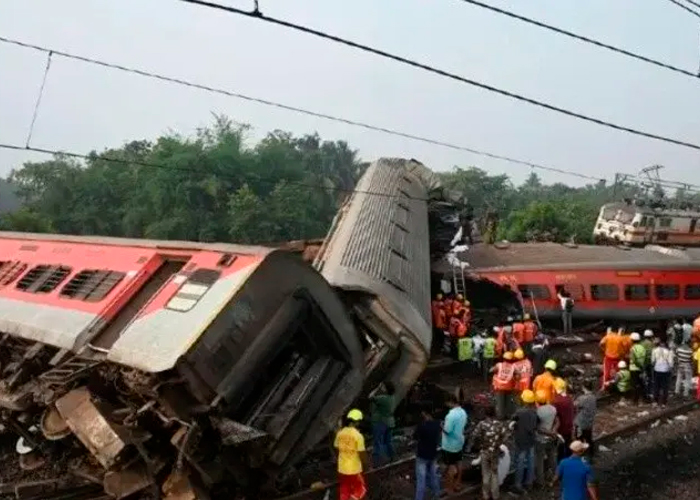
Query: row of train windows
x=612 y=292
x=91 y=285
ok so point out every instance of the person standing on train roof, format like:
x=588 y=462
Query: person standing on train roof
x=540 y=352
x=382 y=416
x=489 y=353
x=523 y=371
x=352 y=458
x=503 y=385
x=648 y=344
x=452 y=444
x=529 y=334
x=610 y=344
x=545 y=381
x=638 y=365
x=566 y=302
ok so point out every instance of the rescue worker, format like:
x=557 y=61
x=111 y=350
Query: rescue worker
x=503 y=384
x=457 y=331
x=523 y=371
x=506 y=341
x=458 y=304
x=625 y=345
x=622 y=382
x=696 y=357
x=448 y=305
x=545 y=381
x=529 y=334
x=638 y=366
x=610 y=344
x=489 y=353
x=648 y=344
x=467 y=315
x=465 y=352
x=540 y=352
x=479 y=341
x=352 y=458
x=519 y=330
x=696 y=330
x=439 y=319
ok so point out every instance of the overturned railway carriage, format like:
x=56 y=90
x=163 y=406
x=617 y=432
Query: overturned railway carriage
x=378 y=253
x=160 y=357
x=611 y=283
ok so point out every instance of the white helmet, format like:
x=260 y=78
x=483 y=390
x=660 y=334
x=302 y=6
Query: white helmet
x=622 y=365
x=508 y=329
x=648 y=334
x=495 y=329
x=635 y=337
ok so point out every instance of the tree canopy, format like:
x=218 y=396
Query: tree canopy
x=217 y=186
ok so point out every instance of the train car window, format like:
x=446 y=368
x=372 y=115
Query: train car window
x=667 y=292
x=43 y=278
x=665 y=222
x=91 y=285
x=537 y=292
x=605 y=292
x=692 y=292
x=637 y=292
x=193 y=289
x=10 y=271
x=575 y=289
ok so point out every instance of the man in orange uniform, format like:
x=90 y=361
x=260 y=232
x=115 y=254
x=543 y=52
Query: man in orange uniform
x=439 y=320
x=523 y=371
x=545 y=381
x=518 y=330
x=458 y=304
x=457 y=330
x=626 y=344
x=468 y=315
x=529 y=335
x=503 y=385
x=352 y=458
x=611 y=345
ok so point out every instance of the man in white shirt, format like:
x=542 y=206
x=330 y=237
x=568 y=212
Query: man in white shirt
x=567 y=309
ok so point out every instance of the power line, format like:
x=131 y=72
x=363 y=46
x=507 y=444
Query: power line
x=431 y=69
x=693 y=2
x=581 y=38
x=685 y=7
x=37 y=104
x=299 y=110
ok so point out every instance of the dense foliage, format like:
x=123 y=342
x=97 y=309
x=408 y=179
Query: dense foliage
x=215 y=186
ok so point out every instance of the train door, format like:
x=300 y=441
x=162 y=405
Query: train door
x=649 y=229
x=693 y=224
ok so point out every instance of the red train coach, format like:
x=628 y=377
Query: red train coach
x=607 y=283
x=231 y=357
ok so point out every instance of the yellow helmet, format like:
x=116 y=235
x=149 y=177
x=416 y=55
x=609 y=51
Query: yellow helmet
x=519 y=354
x=439 y=296
x=460 y=296
x=355 y=415
x=526 y=316
x=508 y=355
x=528 y=396
x=467 y=303
x=560 y=385
x=541 y=396
x=550 y=365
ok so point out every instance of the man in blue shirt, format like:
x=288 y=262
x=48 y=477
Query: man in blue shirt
x=576 y=475
x=452 y=443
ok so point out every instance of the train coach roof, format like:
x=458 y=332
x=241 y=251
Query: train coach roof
x=141 y=243
x=554 y=255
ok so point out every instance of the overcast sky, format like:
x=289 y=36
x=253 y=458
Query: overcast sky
x=87 y=107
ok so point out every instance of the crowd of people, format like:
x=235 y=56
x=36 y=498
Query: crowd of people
x=531 y=418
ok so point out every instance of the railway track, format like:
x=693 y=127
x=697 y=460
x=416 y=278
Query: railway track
x=613 y=423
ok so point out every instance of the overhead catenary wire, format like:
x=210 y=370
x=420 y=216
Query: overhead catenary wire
x=686 y=8
x=255 y=14
x=296 y=109
x=40 y=95
x=581 y=38
x=693 y=2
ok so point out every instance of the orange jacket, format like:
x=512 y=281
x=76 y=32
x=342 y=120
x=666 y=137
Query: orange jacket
x=530 y=331
x=457 y=328
x=519 y=332
x=523 y=373
x=625 y=346
x=439 y=316
x=448 y=307
x=545 y=382
x=504 y=376
x=456 y=307
x=612 y=344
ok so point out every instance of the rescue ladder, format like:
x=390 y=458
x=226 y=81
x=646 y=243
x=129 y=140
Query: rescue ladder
x=458 y=280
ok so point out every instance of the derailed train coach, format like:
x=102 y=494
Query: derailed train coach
x=378 y=254
x=178 y=366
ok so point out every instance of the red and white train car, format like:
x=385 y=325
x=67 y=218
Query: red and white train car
x=218 y=352
x=606 y=282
